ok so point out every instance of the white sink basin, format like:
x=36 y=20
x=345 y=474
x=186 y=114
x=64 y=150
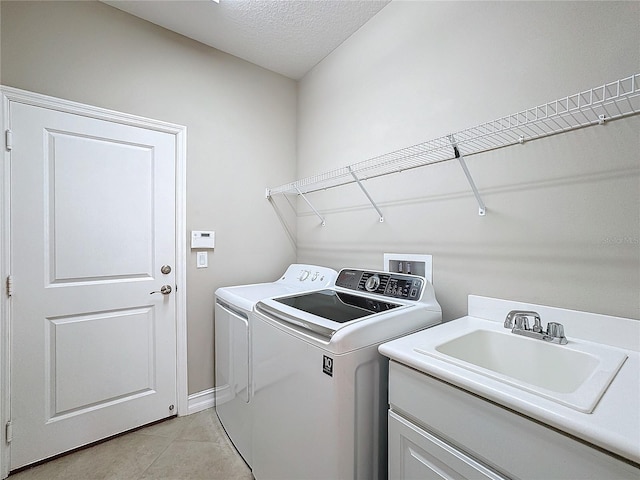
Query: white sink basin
x=575 y=375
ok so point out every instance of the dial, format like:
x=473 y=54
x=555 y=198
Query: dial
x=304 y=275
x=373 y=282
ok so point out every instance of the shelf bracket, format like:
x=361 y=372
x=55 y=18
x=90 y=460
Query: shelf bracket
x=482 y=210
x=364 y=190
x=311 y=206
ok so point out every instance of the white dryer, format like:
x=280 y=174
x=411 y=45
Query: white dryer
x=320 y=384
x=233 y=332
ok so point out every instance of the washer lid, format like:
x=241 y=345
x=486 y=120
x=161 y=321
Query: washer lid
x=336 y=306
x=246 y=296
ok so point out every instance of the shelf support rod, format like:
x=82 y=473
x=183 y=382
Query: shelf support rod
x=364 y=190
x=482 y=209
x=311 y=206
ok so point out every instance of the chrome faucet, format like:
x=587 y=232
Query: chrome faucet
x=518 y=322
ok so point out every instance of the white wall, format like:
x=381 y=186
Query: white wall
x=240 y=131
x=563 y=221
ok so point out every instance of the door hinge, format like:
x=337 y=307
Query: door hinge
x=9 y=286
x=9 y=432
x=8 y=139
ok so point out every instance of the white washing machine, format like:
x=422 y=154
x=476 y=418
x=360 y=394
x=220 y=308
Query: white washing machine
x=320 y=384
x=233 y=332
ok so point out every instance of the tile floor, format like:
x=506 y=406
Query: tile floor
x=184 y=448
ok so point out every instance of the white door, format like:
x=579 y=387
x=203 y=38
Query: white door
x=92 y=223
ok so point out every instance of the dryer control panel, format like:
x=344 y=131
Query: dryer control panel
x=395 y=285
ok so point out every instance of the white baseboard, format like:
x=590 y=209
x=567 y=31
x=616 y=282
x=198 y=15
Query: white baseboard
x=200 y=401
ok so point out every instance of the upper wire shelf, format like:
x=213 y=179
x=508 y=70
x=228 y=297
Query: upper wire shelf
x=598 y=105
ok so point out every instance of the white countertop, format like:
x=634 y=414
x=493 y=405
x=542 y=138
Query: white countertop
x=614 y=424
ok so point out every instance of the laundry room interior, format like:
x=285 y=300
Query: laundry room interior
x=551 y=221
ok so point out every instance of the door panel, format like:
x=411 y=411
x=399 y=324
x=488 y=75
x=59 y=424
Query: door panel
x=92 y=222
x=73 y=389
x=117 y=178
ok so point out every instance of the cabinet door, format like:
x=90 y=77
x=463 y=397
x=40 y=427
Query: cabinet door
x=416 y=454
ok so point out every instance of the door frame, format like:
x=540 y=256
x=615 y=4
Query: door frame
x=14 y=95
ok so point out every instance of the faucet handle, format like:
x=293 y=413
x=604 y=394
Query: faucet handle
x=521 y=321
x=556 y=331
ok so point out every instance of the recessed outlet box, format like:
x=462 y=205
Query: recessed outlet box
x=415 y=264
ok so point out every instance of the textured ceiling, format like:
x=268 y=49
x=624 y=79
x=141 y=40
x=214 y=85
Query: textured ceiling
x=286 y=36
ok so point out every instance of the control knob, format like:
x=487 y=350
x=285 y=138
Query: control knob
x=304 y=275
x=372 y=283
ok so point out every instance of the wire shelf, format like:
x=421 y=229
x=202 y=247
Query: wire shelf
x=598 y=105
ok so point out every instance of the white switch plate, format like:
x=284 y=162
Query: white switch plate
x=202 y=260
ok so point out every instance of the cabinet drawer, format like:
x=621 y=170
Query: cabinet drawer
x=499 y=438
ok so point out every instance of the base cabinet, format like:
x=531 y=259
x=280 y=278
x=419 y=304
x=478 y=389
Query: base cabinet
x=439 y=431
